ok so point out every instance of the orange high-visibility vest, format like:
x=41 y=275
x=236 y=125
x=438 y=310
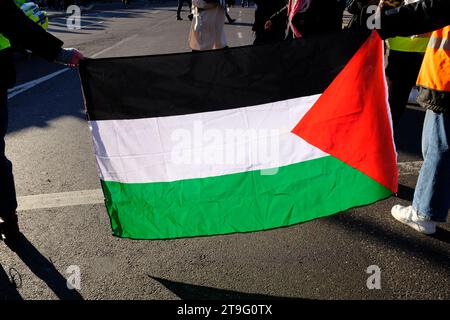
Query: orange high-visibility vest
x=434 y=76
x=435 y=72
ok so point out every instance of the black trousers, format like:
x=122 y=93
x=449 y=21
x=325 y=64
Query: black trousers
x=402 y=71
x=8 y=202
x=180 y=5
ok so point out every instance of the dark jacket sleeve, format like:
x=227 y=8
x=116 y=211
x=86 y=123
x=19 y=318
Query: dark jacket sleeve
x=17 y=27
x=416 y=18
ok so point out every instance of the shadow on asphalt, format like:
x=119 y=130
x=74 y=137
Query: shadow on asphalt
x=194 y=292
x=442 y=235
x=419 y=245
x=405 y=193
x=42 y=268
x=8 y=285
x=52 y=104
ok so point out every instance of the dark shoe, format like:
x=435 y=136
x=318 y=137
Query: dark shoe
x=231 y=21
x=179 y=18
x=191 y=16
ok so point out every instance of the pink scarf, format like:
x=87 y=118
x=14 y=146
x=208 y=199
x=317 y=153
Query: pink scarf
x=294 y=7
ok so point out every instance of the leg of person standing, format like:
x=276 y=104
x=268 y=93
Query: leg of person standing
x=431 y=197
x=9 y=227
x=432 y=194
x=230 y=20
x=190 y=15
x=180 y=5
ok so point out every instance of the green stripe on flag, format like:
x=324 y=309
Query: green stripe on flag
x=242 y=202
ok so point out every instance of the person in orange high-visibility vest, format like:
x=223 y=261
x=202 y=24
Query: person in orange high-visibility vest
x=434 y=77
x=431 y=201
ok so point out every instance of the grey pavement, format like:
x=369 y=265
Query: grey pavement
x=50 y=145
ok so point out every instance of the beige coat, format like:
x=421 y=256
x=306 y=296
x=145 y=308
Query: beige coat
x=207 y=28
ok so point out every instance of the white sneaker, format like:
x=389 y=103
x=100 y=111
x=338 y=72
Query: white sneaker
x=408 y=215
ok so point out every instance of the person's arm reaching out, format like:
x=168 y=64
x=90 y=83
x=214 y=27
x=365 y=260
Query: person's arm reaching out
x=416 y=18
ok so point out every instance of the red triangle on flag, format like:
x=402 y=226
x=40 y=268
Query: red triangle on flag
x=351 y=121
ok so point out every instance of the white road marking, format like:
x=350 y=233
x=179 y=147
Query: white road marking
x=95 y=196
x=88 y=23
x=239 y=34
x=31 y=84
x=114 y=46
x=63 y=199
x=27 y=86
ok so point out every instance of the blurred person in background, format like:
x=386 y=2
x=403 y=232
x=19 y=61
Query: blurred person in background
x=310 y=17
x=180 y=6
x=268 y=10
x=207 y=28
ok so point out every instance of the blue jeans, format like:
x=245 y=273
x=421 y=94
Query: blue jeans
x=432 y=194
x=8 y=203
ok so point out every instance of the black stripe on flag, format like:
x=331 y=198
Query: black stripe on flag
x=186 y=83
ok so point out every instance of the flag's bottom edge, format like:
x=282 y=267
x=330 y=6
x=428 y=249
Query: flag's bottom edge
x=238 y=203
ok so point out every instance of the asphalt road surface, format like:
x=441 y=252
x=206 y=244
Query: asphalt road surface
x=66 y=228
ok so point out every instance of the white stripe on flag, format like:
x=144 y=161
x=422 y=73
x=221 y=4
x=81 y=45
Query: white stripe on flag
x=204 y=144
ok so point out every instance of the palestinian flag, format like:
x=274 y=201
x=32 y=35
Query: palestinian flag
x=241 y=139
